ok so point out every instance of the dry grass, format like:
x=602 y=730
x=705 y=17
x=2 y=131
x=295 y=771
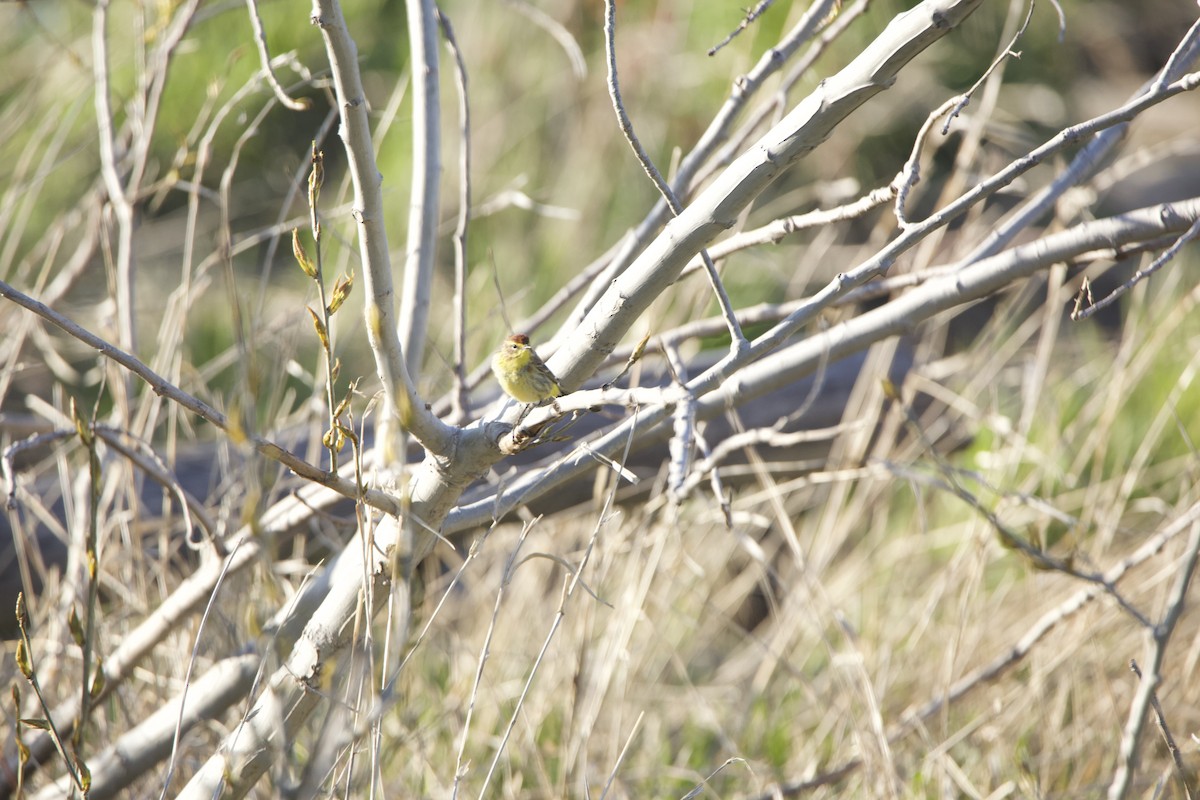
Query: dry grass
x=806 y=637
x=806 y=648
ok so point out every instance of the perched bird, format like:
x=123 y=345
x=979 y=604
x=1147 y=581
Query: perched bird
x=522 y=375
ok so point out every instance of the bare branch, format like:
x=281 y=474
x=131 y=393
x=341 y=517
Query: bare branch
x=461 y=405
x=1145 y=695
x=421 y=246
x=1092 y=155
x=738 y=343
x=264 y=55
x=1139 y=276
x=950 y=289
x=402 y=406
x=197 y=406
x=717 y=207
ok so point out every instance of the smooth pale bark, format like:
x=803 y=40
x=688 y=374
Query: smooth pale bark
x=453 y=464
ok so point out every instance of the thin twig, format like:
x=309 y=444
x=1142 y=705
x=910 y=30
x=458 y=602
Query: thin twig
x=708 y=159
x=1165 y=729
x=161 y=386
x=751 y=15
x=757 y=437
x=881 y=261
x=264 y=55
x=460 y=399
x=1007 y=537
x=273 y=234
x=1090 y=157
x=1094 y=154
x=685 y=181
x=1161 y=637
x=745 y=88
x=910 y=174
x=738 y=343
x=777 y=230
x=1137 y=277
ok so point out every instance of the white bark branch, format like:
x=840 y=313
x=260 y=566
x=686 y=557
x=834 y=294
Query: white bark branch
x=402 y=405
x=716 y=209
x=788 y=364
x=427 y=172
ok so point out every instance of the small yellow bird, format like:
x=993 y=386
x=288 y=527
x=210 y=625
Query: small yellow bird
x=522 y=375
